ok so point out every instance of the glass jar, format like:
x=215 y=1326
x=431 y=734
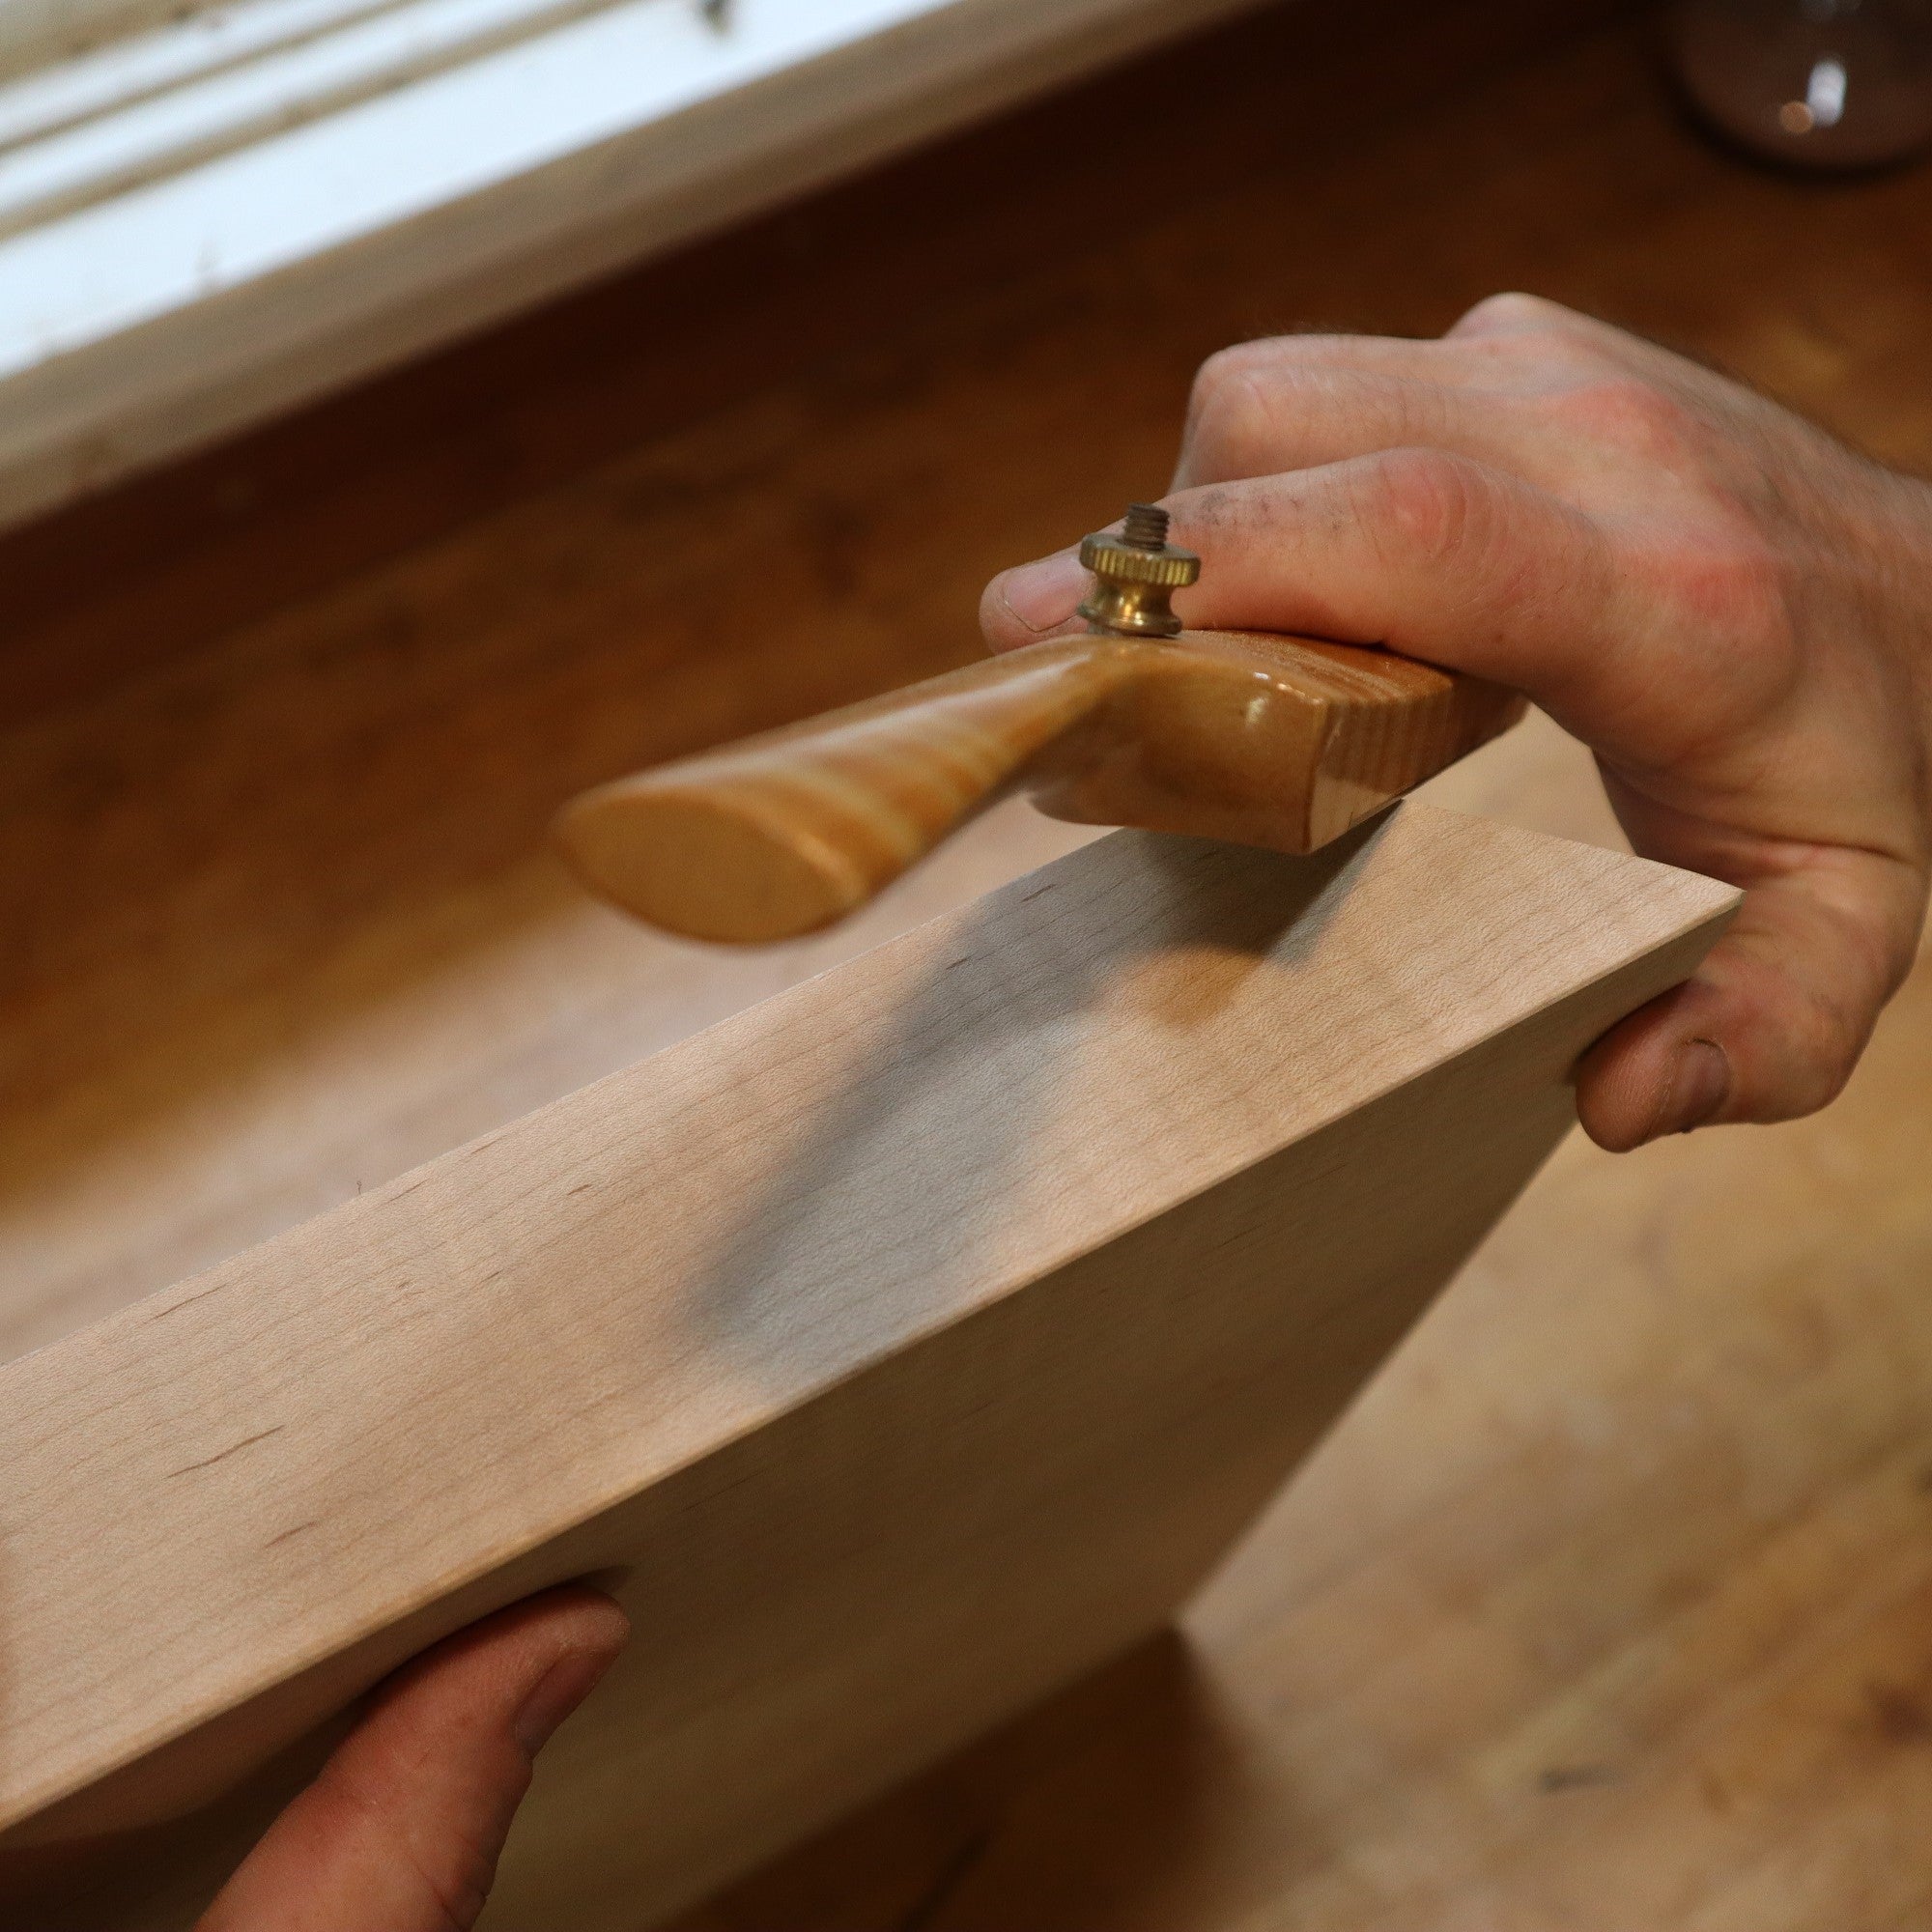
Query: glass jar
x=1819 y=83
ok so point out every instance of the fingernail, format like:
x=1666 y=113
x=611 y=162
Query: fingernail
x=558 y=1692
x=1043 y=595
x=1700 y=1081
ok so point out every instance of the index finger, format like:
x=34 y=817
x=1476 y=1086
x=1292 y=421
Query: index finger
x=1430 y=553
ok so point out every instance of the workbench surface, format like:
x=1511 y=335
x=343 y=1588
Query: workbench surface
x=1611 y=1606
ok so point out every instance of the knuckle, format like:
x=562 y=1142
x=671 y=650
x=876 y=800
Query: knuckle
x=1513 y=310
x=1429 y=504
x=1539 y=347
x=1242 y=400
x=1815 y=1016
x=1238 y=359
x=1230 y=374
x=449 y=1889
x=1224 y=410
x=1822 y=1043
x=1625 y=410
x=1732 y=584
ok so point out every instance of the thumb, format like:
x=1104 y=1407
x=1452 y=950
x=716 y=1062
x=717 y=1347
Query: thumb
x=403 y=1827
x=1776 y=1018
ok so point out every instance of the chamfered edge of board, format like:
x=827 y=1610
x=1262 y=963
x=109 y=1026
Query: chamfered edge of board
x=504 y=1343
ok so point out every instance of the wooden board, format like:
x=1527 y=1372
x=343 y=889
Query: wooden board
x=1613 y=1595
x=901 y=1349
x=1608 y=1605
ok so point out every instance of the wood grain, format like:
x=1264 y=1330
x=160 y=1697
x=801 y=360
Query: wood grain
x=1280 y=742
x=893 y=1377
x=1606 y=1606
x=282 y=730
x=240 y=987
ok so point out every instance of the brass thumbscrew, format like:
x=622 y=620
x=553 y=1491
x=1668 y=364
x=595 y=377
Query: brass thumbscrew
x=1134 y=574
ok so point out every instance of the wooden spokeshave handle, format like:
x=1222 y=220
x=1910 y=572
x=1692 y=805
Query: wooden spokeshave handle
x=1265 y=739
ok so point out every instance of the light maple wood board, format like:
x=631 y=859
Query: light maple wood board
x=899 y=1348
x=1606 y=1607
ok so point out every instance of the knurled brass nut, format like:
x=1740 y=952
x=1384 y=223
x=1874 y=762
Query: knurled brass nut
x=1107 y=556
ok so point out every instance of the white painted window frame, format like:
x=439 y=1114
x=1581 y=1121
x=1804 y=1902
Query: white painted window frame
x=205 y=221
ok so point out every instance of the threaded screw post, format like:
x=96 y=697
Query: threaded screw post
x=1134 y=574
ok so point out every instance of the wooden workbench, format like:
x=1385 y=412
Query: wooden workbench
x=1610 y=1608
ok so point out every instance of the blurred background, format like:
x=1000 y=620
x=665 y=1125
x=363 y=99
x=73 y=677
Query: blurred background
x=412 y=412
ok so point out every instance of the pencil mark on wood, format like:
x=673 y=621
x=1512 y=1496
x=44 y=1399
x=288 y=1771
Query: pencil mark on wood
x=186 y=1300
x=222 y=1455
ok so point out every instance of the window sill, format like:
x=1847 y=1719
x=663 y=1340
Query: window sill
x=226 y=242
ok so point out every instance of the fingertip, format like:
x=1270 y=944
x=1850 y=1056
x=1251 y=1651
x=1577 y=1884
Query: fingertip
x=575 y=1672
x=557 y=1645
x=1032 y=601
x=999 y=624
x=402 y=1826
x=1617 y=1098
x=1653 y=1075
x=593 y=1617
x=498 y=1658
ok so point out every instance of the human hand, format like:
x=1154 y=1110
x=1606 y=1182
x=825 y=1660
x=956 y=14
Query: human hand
x=401 y=1831
x=1731 y=610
